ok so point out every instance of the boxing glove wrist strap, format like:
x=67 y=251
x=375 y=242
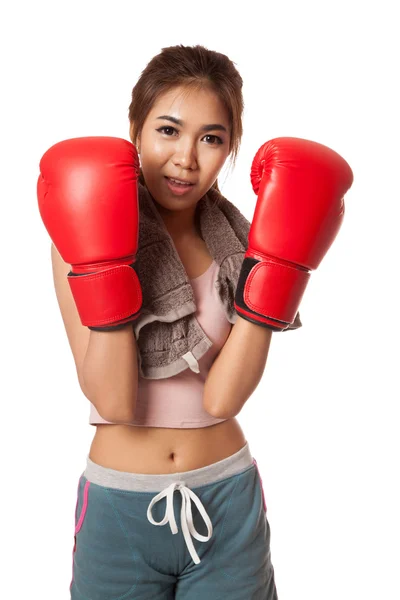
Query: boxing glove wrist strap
x=269 y=292
x=109 y=297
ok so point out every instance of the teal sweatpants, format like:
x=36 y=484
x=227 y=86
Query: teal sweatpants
x=196 y=535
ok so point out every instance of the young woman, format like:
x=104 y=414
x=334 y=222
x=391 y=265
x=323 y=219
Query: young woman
x=164 y=391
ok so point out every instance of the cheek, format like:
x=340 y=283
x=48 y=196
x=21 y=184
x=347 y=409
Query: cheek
x=158 y=150
x=215 y=163
x=154 y=150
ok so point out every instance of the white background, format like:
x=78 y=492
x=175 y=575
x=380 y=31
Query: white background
x=323 y=423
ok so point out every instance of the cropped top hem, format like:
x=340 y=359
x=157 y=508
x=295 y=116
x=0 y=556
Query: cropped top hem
x=160 y=424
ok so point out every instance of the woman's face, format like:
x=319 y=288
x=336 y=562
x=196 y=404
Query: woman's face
x=185 y=136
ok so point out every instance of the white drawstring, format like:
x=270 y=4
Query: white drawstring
x=186 y=515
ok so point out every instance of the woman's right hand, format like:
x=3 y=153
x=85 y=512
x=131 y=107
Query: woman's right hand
x=88 y=200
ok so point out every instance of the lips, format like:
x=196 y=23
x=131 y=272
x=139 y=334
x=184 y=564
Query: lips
x=179 y=181
x=178 y=189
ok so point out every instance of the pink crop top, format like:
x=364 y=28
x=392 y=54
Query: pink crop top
x=178 y=401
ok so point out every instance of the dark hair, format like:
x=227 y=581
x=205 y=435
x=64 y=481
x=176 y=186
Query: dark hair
x=193 y=67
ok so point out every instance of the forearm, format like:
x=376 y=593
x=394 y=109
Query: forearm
x=110 y=373
x=237 y=370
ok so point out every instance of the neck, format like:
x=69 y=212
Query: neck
x=179 y=224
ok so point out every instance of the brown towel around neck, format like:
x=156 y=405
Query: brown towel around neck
x=168 y=335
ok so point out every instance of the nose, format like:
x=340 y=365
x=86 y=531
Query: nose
x=185 y=155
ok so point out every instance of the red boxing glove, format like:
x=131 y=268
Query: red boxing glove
x=299 y=211
x=88 y=200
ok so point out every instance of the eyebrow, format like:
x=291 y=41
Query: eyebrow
x=211 y=127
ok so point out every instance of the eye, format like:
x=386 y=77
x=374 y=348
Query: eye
x=164 y=128
x=215 y=137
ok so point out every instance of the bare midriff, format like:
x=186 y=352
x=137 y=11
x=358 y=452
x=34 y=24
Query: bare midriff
x=159 y=450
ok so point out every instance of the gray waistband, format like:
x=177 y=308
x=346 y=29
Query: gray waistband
x=140 y=482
